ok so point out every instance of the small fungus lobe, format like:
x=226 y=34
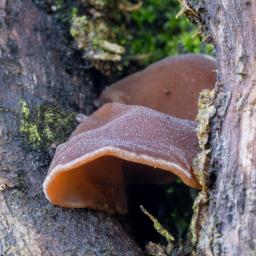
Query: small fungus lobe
x=171 y=85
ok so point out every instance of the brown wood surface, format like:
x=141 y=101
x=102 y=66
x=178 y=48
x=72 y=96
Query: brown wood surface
x=229 y=223
x=33 y=67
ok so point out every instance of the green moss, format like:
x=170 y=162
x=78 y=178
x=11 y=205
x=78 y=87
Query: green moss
x=155 y=32
x=46 y=125
x=115 y=33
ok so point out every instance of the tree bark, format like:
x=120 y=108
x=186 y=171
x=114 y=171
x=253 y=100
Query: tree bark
x=229 y=221
x=33 y=68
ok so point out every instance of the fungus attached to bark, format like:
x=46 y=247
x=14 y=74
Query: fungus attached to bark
x=93 y=166
x=171 y=85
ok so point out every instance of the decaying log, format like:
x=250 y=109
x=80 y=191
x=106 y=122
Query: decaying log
x=33 y=73
x=229 y=221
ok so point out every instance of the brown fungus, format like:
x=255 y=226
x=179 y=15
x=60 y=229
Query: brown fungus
x=171 y=85
x=90 y=169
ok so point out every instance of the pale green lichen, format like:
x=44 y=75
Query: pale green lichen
x=96 y=32
x=159 y=228
x=93 y=36
x=45 y=125
x=99 y=4
x=29 y=128
x=200 y=165
x=186 y=10
x=97 y=41
x=206 y=111
x=199 y=202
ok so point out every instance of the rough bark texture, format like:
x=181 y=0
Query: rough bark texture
x=32 y=69
x=229 y=224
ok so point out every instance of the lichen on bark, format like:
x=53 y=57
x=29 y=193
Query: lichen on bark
x=206 y=111
x=99 y=32
x=45 y=126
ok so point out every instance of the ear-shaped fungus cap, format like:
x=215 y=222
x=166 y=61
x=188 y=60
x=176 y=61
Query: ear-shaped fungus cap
x=87 y=170
x=171 y=85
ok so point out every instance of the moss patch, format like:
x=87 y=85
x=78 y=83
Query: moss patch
x=46 y=125
x=115 y=33
x=155 y=32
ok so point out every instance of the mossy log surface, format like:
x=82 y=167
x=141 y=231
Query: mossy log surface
x=228 y=223
x=33 y=77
